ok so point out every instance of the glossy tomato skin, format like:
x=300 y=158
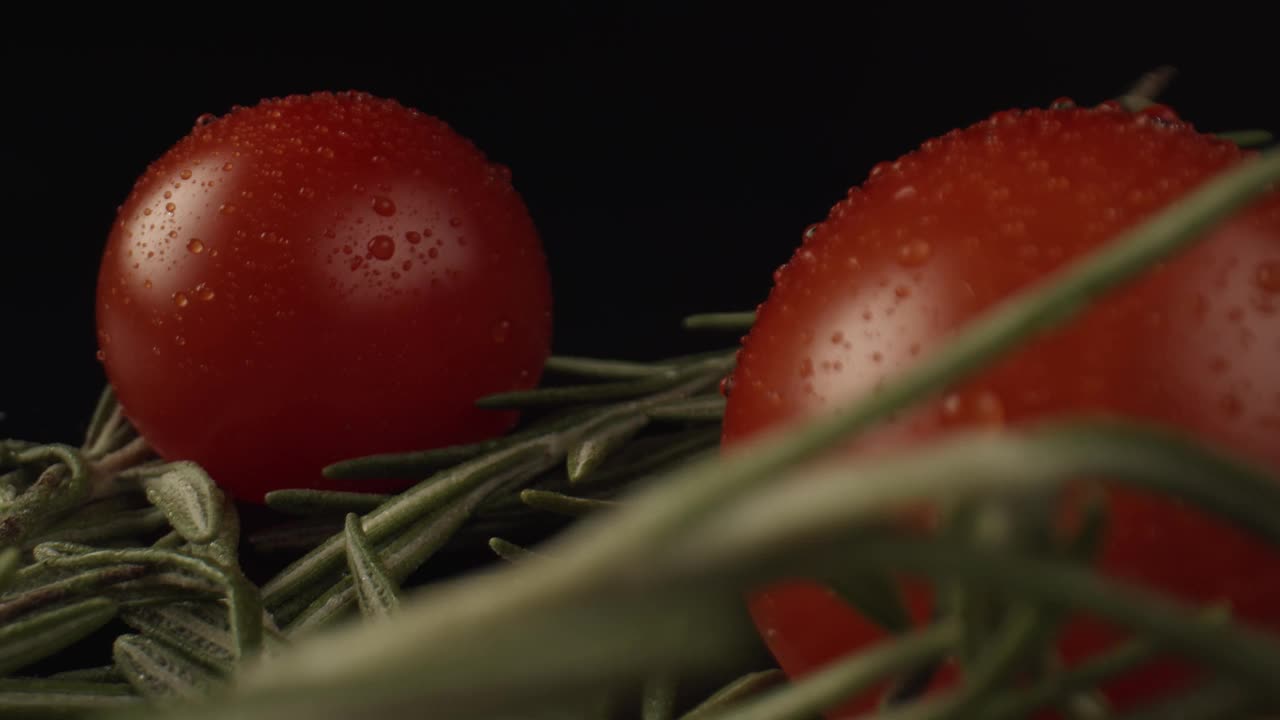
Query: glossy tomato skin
x=931 y=241
x=315 y=278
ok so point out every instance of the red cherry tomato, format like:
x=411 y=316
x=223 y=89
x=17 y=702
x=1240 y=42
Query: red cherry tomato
x=316 y=278
x=933 y=240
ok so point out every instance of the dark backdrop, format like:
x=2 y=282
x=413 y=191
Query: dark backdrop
x=671 y=159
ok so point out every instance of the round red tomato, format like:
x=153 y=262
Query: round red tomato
x=316 y=278
x=931 y=241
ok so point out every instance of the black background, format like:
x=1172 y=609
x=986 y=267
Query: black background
x=671 y=158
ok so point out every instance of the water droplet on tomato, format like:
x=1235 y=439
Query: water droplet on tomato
x=987 y=408
x=356 y=262
x=382 y=247
x=1267 y=276
x=455 y=222
x=204 y=292
x=433 y=252
x=837 y=337
x=306 y=193
x=905 y=192
x=383 y=206
x=195 y=246
x=203 y=120
x=146 y=211
x=227 y=209
x=180 y=299
x=179 y=340
x=806 y=368
x=147 y=283
x=915 y=253
x=413 y=237
x=185 y=174
x=406 y=265
x=726 y=385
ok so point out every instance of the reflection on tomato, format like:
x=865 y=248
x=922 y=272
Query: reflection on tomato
x=316 y=278
x=931 y=241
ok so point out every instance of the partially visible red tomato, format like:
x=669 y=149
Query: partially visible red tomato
x=315 y=278
x=931 y=241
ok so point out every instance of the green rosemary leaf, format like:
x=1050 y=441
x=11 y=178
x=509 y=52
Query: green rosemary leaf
x=703 y=408
x=60 y=488
x=747 y=686
x=1248 y=138
x=403 y=510
x=63 y=698
x=160 y=586
x=416 y=464
x=41 y=634
x=602 y=369
x=246 y=609
x=563 y=504
x=103 y=411
x=100 y=674
x=317 y=502
x=10 y=484
x=544 y=654
x=10 y=559
x=591 y=450
x=649 y=455
x=188 y=497
x=658 y=698
x=169 y=541
x=411 y=464
x=1023 y=632
x=1249 y=655
x=224 y=549
x=120 y=524
x=199 y=630
x=510 y=551
x=158 y=671
x=120 y=436
x=1058 y=686
x=58 y=589
x=875 y=596
x=1170 y=463
x=402 y=555
x=605 y=392
x=729 y=321
x=1148 y=87
x=375 y=591
x=846 y=678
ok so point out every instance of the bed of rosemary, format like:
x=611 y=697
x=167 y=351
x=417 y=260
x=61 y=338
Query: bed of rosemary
x=635 y=600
